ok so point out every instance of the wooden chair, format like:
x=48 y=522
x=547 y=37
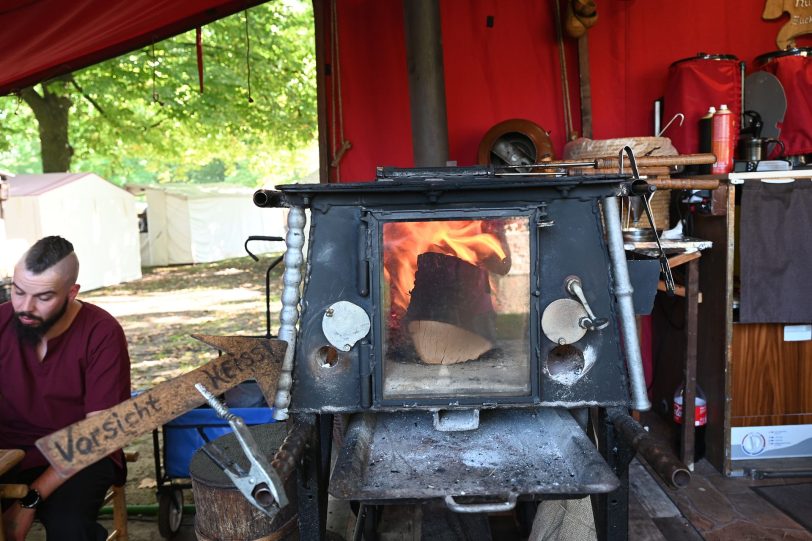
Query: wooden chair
x=8 y=459
x=117 y=497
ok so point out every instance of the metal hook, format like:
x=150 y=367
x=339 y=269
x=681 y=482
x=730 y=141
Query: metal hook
x=673 y=118
x=632 y=161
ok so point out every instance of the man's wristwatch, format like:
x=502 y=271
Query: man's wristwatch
x=31 y=500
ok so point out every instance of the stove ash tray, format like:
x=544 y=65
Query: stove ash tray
x=392 y=457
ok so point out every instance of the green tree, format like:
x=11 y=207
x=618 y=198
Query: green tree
x=142 y=115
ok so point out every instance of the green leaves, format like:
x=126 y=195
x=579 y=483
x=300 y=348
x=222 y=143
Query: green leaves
x=141 y=116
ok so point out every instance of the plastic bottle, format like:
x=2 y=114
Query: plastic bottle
x=705 y=127
x=723 y=140
x=700 y=420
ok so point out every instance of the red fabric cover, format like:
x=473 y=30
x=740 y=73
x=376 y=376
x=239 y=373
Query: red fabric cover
x=692 y=87
x=44 y=38
x=86 y=369
x=795 y=74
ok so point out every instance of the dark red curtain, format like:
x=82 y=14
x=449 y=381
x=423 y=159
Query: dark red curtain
x=40 y=39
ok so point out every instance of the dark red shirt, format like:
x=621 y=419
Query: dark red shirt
x=86 y=369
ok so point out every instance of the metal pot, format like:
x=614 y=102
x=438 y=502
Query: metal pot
x=754 y=149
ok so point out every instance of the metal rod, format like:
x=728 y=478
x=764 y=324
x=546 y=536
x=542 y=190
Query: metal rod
x=548 y=165
x=656 y=452
x=623 y=294
x=289 y=317
x=533 y=174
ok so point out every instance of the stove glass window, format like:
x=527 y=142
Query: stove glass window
x=457 y=307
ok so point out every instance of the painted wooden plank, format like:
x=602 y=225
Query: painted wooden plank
x=89 y=440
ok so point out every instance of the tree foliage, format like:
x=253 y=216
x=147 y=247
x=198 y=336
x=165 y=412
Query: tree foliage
x=141 y=117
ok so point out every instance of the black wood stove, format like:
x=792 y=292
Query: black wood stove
x=465 y=324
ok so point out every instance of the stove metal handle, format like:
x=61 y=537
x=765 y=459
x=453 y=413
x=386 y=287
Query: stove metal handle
x=592 y=323
x=481 y=507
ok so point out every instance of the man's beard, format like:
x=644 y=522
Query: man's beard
x=33 y=334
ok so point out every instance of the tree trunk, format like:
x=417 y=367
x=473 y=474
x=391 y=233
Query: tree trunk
x=51 y=109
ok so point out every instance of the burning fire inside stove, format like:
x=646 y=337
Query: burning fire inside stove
x=455 y=293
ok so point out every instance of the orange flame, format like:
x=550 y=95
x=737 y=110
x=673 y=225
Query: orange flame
x=469 y=240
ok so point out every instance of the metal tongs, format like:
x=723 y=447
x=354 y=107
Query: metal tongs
x=260 y=484
x=642 y=189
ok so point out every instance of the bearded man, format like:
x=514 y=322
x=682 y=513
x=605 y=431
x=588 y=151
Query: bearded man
x=61 y=360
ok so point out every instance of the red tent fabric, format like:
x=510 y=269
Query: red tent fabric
x=507 y=66
x=41 y=39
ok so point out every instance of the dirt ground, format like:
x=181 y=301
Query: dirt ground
x=159 y=313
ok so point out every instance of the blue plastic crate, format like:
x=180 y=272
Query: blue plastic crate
x=182 y=435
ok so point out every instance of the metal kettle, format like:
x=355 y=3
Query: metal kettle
x=754 y=149
x=751 y=146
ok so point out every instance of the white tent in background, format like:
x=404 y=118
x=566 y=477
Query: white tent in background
x=199 y=223
x=96 y=216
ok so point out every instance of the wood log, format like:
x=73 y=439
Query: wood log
x=659 y=161
x=222 y=512
x=644 y=171
x=684 y=183
x=441 y=343
x=450 y=315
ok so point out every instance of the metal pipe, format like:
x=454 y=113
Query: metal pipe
x=656 y=452
x=267 y=198
x=623 y=294
x=424 y=62
x=289 y=317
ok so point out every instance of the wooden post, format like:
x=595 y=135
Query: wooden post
x=691 y=333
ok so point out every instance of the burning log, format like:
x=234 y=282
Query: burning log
x=450 y=317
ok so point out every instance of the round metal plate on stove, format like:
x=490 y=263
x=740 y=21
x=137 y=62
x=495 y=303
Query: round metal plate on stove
x=560 y=321
x=344 y=323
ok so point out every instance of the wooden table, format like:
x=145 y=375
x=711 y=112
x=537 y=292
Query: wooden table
x=686 y=250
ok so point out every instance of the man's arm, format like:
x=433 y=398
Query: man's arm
x=17 y=520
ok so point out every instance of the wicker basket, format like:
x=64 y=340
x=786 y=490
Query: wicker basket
x=603 y=148
x=641 y=146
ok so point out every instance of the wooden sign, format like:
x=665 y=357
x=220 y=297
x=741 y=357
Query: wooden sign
x=91 y=439
x=800 y=19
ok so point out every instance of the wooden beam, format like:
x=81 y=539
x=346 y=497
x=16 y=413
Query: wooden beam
x=679 y=291
x=585 y=86
x=679 y=259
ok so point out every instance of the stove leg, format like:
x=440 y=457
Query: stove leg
x=612 y=510
x=313 y=475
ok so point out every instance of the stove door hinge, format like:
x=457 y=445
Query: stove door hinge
x=365 y=361
x=542 y=218
x=362 y=274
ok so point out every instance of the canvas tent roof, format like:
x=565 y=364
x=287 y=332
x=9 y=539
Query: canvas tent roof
x=96 y=216
x=39 y=184
x=41 y=39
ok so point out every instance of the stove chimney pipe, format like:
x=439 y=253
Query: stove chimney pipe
x=424 y=61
